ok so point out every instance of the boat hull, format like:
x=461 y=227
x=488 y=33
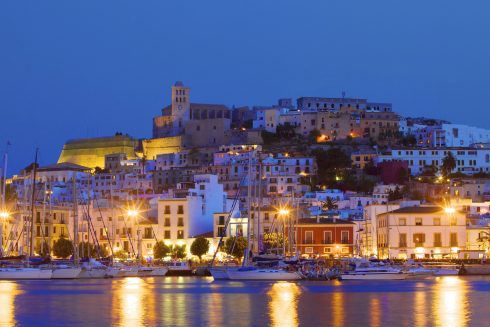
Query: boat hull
x=66 y=273
x=262 y=274
x=93 y=273
x=374 y=276
x=24 y=273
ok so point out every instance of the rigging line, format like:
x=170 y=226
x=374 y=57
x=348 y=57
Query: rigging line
x=103 y=223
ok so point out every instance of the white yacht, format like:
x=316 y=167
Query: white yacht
x=253 y=273
x=375 y=273
x=25 y=273
x=94 y=269
x=66 y=272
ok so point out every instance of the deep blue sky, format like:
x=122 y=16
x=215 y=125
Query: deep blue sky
x=71 y=69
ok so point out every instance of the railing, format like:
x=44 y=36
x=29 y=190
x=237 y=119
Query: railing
x=327 y=241
x=345 y=241
x=309 y=242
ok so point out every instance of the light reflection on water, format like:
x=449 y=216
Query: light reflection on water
x=283 y=305
x=8 y=292
x=444 y=301
x=450 y=304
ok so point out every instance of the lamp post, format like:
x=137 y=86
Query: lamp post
x=4 y=215
x=284 y=213
x=133 y=213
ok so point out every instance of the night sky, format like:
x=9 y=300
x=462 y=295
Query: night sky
x=71 y=69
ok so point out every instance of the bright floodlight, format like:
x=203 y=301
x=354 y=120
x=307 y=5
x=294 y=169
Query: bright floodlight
x=4 y=214
x=449 y=210
x=283 y=212
x=132 y=213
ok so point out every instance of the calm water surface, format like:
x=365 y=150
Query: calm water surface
x=187 y=301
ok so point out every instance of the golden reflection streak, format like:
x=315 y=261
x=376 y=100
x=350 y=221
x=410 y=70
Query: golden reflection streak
x=450 y=304
x=8 y=293
x=130 y=294
x=375 y=311
x=419 y=309
x=338 y=313
x=283 y=307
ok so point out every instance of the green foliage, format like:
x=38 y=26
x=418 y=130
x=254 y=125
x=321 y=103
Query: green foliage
x=161 y=250
x=395 y=194
x=272 y=240
x=179 y=252
x=235 y=246
x=63 y=248
x=268 y=137
x=330 y=204
x=200 y=247
x=86 y=250
x=314 y=135
x=45 y=250
x=286 y=131
x=121 y=254
x=448 y=164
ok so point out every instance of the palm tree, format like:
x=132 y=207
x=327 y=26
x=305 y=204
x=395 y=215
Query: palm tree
x=448 y=164
x=330 y=204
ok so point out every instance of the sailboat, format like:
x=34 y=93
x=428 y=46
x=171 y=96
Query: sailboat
x=247 y=272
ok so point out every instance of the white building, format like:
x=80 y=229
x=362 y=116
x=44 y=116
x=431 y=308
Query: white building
x=468 y=160
x=421 y=232
x=451 y=135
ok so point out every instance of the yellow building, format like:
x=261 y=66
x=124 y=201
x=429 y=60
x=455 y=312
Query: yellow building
x=91 y=152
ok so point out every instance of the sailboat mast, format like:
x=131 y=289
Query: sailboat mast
x=75 y=222
x=249 y=200
x=33 y=196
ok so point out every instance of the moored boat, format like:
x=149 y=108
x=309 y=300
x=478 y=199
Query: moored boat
x=374 y=273
x=253 y=273
x=24 y=273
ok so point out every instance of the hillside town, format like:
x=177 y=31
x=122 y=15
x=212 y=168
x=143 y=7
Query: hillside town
x=319 y=177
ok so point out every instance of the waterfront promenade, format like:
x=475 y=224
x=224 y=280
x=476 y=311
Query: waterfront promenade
x=187 y=301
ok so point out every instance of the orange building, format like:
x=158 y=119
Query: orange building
x=325 y=237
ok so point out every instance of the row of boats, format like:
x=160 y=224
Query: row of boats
x=86 y=270
x=361 y=270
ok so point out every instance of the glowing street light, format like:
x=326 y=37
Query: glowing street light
x=4 y=215
x=449 y=210
x=133 y=213
x=283 y=212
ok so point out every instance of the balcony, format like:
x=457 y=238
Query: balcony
x=309 y=241
x=345 y=241
x=327 y=241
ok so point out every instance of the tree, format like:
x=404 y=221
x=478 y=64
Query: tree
x=161 y=250
x=63 y=248
x=86 y=250
x=121 y=254
x=235 y=246
x=179 y=252
x=395 y=194
x=448 y=164
x=45 y=250
x=272 y=240
x=200 y=247
x=330 y=204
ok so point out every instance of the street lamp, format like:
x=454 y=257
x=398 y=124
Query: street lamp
x=4 y=215
x=134 y=213
x=284 y=212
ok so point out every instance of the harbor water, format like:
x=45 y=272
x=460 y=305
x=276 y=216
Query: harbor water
x=189 y=301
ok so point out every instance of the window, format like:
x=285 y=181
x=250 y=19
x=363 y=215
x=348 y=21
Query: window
x=402 y=221
x=309 y=250
x=180 y=210
x=402 y=240
x=454 y=239
x=54 y=230
x=419 y=239
x=453 y=221
x=437 y=240
x=327 y=237
x=345 y=250
x=327 y=250
x=221 y=231
x=167 y=222
x=309 y=237
x=418 y=221
x=166 y=235
x=221 y=220
x=180 y=222
x=180 y=234
x=437 y=221
x=266 y=216
x=344 y=237
x=167 y=210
